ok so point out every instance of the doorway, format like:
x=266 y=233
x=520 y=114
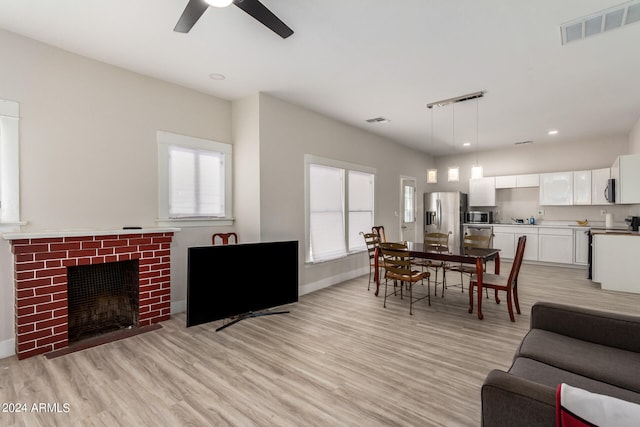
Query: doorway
x=408 y=209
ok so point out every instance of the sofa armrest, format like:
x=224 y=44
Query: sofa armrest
x=600 y=327
x=508 y=400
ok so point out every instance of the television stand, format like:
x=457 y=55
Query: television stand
x=249 y=315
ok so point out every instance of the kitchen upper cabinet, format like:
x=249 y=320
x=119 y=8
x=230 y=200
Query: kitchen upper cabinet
x=626 y=171
x=556 y=188
x=508 y=181
x=528 y=180
x=599 y=182
x=582 y=187
x=555 y=245
x=518 y=181
x=482 y=192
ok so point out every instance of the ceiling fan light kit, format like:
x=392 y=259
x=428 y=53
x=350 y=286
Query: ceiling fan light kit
x=196 y=8
x=219 y=3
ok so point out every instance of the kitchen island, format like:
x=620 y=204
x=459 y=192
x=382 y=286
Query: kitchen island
x=615 y=258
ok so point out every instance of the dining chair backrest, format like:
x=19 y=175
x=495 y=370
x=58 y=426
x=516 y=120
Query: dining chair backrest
x=396 y=258
x=379 y=230
x=224 y=238
x=517 y=262
x=436 y=239
x=371 y=241
x=476 y=241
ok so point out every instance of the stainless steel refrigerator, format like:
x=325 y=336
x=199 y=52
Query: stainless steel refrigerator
x=444 y=212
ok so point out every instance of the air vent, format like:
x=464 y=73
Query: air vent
x=378 y=120
x=596 y=23
x=523 y=142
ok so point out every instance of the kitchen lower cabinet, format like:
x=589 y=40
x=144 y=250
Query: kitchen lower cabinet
x=506 y=239
x=503 y=240
x=555 y=245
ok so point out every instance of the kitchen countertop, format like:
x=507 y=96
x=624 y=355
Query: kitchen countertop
x=615 y=231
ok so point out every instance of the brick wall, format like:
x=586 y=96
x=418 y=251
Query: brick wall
x=41 y=282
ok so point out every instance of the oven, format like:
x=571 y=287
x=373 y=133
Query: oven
x=478 y=217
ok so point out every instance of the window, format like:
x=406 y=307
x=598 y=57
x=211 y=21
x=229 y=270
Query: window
x=340 y=204
x=408 y=198
x=194 y=180
x=9 y=166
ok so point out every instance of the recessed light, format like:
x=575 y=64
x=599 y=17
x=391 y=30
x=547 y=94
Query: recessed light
x=466 y=144
x=552 y=132
x=217 y=76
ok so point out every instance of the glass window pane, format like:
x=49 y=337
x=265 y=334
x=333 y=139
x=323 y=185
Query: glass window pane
x=409 y=210
x=359 y=222
x=181 y=182
x=326 y=220
x=211 y=184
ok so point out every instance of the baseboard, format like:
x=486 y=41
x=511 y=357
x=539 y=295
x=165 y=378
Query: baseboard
x=178 y=306
x=330 y=281
x=7 y=348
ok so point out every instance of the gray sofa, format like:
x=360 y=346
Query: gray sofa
x=593 y=350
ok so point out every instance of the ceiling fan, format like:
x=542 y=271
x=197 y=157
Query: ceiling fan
x=195 y=9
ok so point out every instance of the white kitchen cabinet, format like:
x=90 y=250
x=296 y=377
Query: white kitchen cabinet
x=482 y=192
x=508 y=181
x=556 y=188
x=503 y=240
x=528 y=180
x=599 y=182
x=531 y=247
x=582 y=187
x=518 y=181
x=614 y=259
x=626 y=171
x=581 y=246
x=555 y=245
x=506 y=239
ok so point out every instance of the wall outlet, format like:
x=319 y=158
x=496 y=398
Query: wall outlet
x=603 y=211
x=540 y=212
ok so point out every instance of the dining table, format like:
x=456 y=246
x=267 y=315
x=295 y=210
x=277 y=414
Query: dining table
x=475 y=256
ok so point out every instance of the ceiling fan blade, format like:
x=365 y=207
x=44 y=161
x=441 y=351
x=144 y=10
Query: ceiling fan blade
x=265 y=16
x=191 y=14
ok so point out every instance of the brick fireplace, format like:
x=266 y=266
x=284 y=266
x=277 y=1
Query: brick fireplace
x=41 y=264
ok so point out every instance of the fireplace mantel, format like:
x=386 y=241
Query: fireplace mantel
x=86 y=232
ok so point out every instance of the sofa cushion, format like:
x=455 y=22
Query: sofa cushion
x=602 y=363
x=551 y=376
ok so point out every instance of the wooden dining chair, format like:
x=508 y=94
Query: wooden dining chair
x=371 y=241
x=468 y=242
x=437 y=241
x=398 y=266
x=379 y=230
x=224 y=238
x=509 y=284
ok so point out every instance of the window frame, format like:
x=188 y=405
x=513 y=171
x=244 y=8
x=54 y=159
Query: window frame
x=10 y=166
x=346 y=167
x=167 y=139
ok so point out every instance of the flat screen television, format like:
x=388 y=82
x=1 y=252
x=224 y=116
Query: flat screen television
x=240 y=280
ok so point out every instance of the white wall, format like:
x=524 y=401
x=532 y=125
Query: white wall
x=287 y=133
x=88 y=148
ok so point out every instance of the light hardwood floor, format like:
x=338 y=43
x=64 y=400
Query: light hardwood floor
x=338 y=359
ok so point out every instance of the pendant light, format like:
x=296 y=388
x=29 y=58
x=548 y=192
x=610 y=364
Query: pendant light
x=476 y=170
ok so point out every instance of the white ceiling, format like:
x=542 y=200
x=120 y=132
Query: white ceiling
x=358 y=59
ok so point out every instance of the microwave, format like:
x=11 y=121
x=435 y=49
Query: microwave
x=478 y=217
